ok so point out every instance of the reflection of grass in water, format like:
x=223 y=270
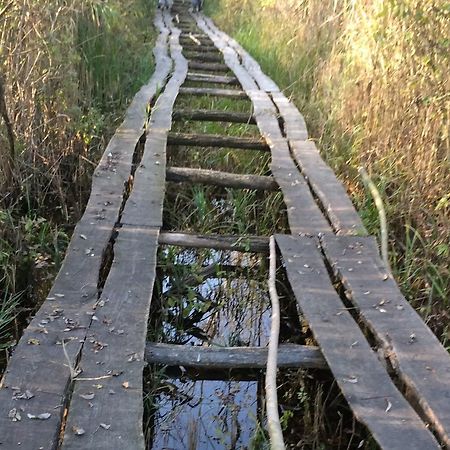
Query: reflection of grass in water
x=224 y=414
x=221 y=305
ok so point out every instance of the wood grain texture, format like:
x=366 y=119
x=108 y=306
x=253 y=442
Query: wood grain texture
x=223 y=179
x=213 y=116
x=251 y=244
x=213 y=140
x=39 y=364
x=216 y=92
x=363 y=380
x=289 y=356
x=421 y=362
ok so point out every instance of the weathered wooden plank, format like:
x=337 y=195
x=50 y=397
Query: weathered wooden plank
x=209 y=67
x=304 y=215
x=294 y=123
x=223 y=179
x=213 y=140
x=328 y=189
x=208 y=78
x=192 y=46
x=363 y=380
x=421 y=362
x=250 y=64
x=126 y=300
x=213 y=116
x=39 y=364
x=289 y=356
x=230 y=93
x=251 y=244
x=107 y=396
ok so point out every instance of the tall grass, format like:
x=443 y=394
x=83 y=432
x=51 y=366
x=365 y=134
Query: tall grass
x=371 y=79
x=67 y=72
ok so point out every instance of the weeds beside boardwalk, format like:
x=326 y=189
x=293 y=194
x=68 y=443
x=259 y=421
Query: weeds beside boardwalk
x=68 y=70
x=372 y=80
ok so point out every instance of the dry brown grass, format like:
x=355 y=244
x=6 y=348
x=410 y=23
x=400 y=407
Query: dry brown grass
x=371 y=79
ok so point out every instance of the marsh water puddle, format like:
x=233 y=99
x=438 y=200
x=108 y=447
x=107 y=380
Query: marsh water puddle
x=212 y=298
x=206 y=415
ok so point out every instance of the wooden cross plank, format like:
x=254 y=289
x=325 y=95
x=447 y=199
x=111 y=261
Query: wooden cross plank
x=216 y=92
x=209 y=67
x=252 y=244
x=200 y=357
x=363 y=380
x=213 y=116
x=213 y=140
x=218 y=178
x=208 y=78
x=421 y=362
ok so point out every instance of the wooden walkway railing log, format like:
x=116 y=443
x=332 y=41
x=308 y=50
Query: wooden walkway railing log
x=75 y=380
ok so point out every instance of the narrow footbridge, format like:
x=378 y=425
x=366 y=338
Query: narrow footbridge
x=75 y=379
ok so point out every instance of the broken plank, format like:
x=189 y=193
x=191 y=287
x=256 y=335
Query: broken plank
x=213 y=116
x=218 y=178
x=250 y=244
x=415 y=353
x=217 y=92
x=289 y=356
x=213 y=140
x=363 y=380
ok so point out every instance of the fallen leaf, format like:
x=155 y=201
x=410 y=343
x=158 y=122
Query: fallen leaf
x=78 y=431
x=88 y=396
x=126 y=384
x=14 y=415
x=43 y=416
x=24 y=395
x=105 y=426
x=33 y=341
x=389 y=405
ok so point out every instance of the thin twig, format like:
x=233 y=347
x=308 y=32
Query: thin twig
x=381 y=214
x=273 y=419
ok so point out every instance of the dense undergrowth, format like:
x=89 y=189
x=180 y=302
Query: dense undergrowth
x=67 y=71
x=371 y=79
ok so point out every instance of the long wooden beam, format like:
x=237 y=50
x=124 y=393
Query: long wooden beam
x=250 y=244
x=212 y=140
x=289 y=356
x=223 y=179
x=230 y=93
x=213 y=116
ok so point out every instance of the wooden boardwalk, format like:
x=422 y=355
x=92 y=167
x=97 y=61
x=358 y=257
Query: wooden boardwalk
x=390 y=368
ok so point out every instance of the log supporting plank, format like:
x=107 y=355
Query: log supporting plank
x=213 y=116
x=113 y=354
x=208 y=78
x=415 y=353
x=212 y=140
x=304 y=215
x=204 y=57
x=250 y=244
x=289 y=356
x=216 y=92
x=363 y=380
x=209 y=67
x=218 y=178
x=40 y=365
